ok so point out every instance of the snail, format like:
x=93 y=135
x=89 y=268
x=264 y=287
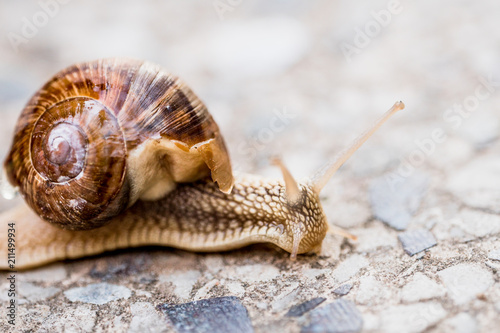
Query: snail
x=118 y=153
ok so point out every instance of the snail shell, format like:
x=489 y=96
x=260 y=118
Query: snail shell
x=100 y=135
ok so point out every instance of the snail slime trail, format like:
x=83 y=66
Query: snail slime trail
x=118 y=153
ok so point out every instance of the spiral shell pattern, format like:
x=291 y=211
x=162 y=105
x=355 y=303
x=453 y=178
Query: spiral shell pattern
x=72 y=140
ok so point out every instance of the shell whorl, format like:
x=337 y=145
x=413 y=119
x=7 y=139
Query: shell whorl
x=93 y=138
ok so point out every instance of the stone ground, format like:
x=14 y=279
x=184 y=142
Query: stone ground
x=427 y=184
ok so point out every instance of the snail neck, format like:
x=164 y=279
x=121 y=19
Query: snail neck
x=202 y=218
x=253 y=210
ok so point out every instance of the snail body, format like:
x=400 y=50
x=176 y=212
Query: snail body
x=195 y=216
x=118 y=153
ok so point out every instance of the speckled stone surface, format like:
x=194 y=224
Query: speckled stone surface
x=220 y=314
x=340 y=316
x=300 y=309
x=298 y=79
x=416 y=241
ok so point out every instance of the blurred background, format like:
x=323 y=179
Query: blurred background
x=301 y=79
x=294 y=78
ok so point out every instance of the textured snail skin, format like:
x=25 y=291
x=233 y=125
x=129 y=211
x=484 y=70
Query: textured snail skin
x=195 y=216
x=100 y=135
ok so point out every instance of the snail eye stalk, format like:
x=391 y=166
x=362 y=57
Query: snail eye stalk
x=321 y=178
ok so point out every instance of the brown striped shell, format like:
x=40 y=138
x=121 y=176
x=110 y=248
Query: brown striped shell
x=100 y=135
